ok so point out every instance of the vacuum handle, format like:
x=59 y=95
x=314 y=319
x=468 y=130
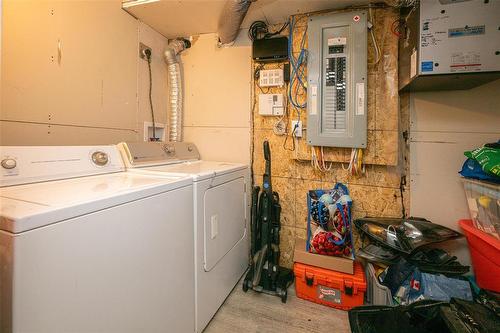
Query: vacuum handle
x=267 y=151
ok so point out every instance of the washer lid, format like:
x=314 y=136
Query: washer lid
x=25 y=207
x=199 y=170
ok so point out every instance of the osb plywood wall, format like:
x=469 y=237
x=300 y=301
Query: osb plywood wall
x=375 y=193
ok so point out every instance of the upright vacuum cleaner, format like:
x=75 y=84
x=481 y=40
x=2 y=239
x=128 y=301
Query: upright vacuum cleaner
x=265 y=274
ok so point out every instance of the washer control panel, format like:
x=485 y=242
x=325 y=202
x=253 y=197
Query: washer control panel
x=141 y=154
x=29 y=164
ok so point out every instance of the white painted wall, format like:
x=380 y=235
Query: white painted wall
x=71 y=73
x=443 y=126
x=97 y=92
x=217 y=85
x=157 y=43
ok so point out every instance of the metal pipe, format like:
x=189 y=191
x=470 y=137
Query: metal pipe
x=174 y=48
x=233 y=13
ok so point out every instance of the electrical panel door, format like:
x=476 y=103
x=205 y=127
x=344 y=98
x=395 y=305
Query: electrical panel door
x=337 y=65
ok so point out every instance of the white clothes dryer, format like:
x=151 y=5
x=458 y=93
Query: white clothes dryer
x=221 y=214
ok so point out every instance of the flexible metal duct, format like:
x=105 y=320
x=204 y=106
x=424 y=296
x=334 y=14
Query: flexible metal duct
x=175 y=86
x=233 y=13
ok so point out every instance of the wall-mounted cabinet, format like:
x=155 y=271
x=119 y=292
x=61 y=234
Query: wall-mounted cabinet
x=337 y=77
x=449 y=45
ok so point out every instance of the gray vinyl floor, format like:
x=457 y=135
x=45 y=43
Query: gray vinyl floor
x=255 y=312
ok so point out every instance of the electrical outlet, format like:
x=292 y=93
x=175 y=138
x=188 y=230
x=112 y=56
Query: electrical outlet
x=297 y=125
x=159 y=131
x=142 y=51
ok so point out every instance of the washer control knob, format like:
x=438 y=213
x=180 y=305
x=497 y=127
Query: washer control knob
x=100 y=158
x=169 y=149
x=9 y=163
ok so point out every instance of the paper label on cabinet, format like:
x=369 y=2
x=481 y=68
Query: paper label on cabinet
x=360 y=99
x=413 y=64
x=337 y=41
x=313 y=109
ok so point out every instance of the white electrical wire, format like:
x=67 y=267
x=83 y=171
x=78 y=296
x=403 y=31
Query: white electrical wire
x=279 y=127
x=323 y=162
x=296 y=152
x=314 y=160
x=401 y=3
x=319 y=163
x=352 y=161
x=355 y=163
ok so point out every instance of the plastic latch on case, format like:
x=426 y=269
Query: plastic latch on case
x=309 y=279
x=348 y=287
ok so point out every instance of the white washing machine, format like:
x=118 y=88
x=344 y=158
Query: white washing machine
x=221 y=214
x=88 y=247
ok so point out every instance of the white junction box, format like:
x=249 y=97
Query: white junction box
x=271 y=77
x=271 y=105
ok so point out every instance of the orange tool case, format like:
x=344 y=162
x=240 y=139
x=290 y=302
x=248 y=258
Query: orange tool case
x=332 y=288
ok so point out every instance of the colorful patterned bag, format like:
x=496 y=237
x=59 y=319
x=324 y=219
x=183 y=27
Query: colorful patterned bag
x=329 y=228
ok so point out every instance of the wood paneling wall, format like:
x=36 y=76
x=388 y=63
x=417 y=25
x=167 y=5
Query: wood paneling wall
x=71 y=73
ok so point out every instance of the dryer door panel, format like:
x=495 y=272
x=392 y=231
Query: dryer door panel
x=224 y=220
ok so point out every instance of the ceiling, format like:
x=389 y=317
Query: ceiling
x=183 y=18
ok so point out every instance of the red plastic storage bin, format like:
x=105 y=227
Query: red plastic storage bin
x=485 y=252
x=332 y=288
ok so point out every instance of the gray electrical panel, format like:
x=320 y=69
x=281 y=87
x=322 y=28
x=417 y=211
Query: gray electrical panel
x=336 y=92
x=449 y=44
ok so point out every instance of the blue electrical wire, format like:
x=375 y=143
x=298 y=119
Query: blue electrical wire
x=298 y=66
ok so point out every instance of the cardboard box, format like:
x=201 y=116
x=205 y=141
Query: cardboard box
x=328 y=262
